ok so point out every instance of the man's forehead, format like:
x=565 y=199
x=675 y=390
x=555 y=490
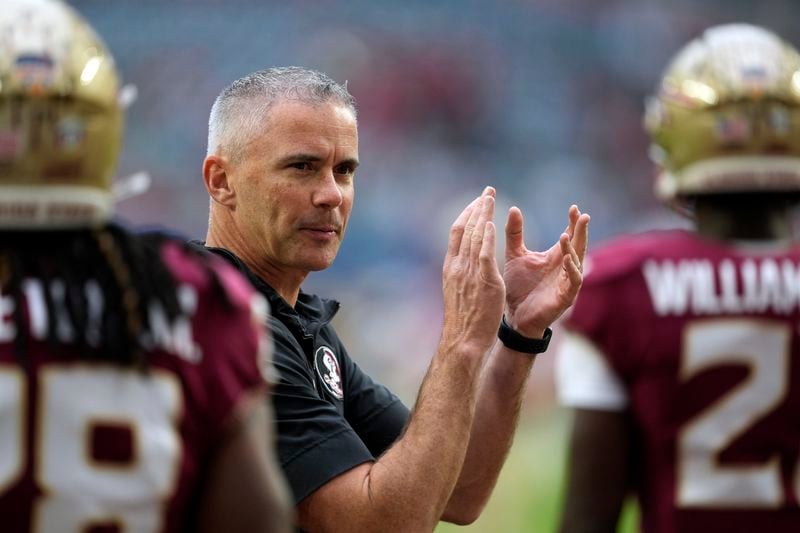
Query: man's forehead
x=292 y=110
x=296 y=130
x=298 y=118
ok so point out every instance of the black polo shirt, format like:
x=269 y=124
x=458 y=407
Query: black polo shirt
x=331 y=416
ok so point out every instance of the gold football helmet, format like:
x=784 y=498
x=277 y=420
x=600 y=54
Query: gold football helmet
x=60 y=119
x=726 y=116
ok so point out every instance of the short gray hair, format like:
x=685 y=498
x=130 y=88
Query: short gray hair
x=243 y=105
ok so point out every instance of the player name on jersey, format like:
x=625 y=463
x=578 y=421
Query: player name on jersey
x=704 y=287
x=175 y=337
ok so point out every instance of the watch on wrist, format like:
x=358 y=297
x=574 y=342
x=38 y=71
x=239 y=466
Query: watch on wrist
x=519 y=343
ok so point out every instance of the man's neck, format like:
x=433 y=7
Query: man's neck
x=286 y=282
x=744 y=217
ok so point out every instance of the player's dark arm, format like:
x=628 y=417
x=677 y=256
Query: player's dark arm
x=598 y=472
x=245 y=489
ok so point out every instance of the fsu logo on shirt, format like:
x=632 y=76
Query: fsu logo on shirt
x=327 y=367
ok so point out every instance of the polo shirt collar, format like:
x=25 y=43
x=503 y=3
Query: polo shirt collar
x=309 y=307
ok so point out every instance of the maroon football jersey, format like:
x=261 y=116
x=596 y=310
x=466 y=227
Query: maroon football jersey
x=90 y=447
x=704 y=337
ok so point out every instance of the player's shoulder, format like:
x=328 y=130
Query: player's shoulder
x=193 y=266
x=622 y=256
x=220 y=300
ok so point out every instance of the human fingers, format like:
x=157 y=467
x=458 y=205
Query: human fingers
x=515 y=244
x=580 y=240
x=572 y=215
x=457 y=229
x=486 y=216
x=472 y=223
x=574 y=274
x=488 y=264
x=568 y=250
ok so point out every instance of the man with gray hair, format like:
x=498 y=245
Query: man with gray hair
x=282 y=156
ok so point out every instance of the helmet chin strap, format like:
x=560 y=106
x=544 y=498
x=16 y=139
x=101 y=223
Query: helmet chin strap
x=131 y=186
x=666 y=191
x=138 y=183
x=127 y=96
x=683 y=207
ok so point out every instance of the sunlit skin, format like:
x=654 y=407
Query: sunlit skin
x=283 y=206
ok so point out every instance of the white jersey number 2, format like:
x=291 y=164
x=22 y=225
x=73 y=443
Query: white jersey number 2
x=764 y=347
x=78 y=490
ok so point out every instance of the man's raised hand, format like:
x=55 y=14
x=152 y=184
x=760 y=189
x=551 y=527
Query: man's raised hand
x=540 y=286
x=473 y=287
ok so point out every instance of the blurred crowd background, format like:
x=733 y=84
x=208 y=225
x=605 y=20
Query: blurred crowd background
x=540 y=98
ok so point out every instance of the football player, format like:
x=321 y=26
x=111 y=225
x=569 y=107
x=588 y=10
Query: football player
x=683 y=363
x=122 y=408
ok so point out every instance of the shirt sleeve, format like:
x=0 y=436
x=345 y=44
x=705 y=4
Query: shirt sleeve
x=600 y=356
x=374 y=412
x=315 y=442
x=584 y=379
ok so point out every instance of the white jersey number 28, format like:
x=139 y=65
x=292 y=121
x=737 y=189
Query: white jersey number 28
x=79 y=491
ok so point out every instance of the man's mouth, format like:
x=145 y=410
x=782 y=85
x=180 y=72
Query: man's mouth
x=324 y=230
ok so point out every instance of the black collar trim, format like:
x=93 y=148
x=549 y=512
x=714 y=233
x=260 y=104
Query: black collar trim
x=310 y=308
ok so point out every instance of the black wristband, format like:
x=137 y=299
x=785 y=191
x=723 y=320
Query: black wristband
x=520 y=343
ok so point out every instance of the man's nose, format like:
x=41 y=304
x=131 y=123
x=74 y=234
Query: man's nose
x=329 y=192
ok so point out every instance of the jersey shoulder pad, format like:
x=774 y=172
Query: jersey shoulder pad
x=200 y=269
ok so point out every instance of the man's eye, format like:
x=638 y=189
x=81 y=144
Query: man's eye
x=345 y=169
x=301 y=165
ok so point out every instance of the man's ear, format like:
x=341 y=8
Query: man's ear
x=217 y=180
